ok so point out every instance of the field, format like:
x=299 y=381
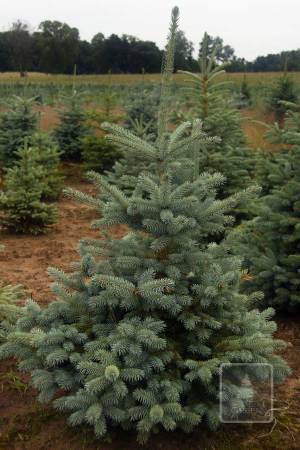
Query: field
x=24 y=423
x=254 y=78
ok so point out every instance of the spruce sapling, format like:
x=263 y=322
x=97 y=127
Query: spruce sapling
x=47 y=155
x=17 y=124
x=71 y=129
x=271 y=240
x=284 y=91
x=211 y=101
x=22 y=209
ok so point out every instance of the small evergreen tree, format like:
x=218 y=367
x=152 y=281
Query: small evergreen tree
x=47 y=156
x=141 y=109
x=142 y=325
x=17 y=124
x=245 y=93
x=212 y=104
x=71 y=129
x=270 y=167
x=284 y=91
x=98 y=154
x=22 y=209
x=211 y=100
x=271 y=240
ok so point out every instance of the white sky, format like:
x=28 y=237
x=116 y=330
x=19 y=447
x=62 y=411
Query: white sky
x=252 y=27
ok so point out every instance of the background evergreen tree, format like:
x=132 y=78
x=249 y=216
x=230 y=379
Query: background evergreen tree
x=22 y=208
x=98 y=154
x=245 y=93
x=270 y=168
x=47 y=156
x=211 y=102
x=141 y=112
x=211 y=99
x=271 y=241
x=71 y=129
x=284 y=91
x=141 y=326
x=17 y=124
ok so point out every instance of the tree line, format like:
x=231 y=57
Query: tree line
x=56 y=47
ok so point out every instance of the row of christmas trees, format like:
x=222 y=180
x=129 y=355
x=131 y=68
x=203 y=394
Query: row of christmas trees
x=142 y=324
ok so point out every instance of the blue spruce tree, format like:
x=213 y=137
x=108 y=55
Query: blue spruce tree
x=142 y=325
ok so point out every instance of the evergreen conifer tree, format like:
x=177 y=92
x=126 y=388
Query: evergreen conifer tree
x=71 y=129
x=141 y=110
x=271 y=241
x=245 y=92
x=212 y=104
x=22 y=208
x=269 y=169
x=142 y=325
x=47 y=156
x=98 y=154
x=272 y=165
x=284 y=91
x=17 y=124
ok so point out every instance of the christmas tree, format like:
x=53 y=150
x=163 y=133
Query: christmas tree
x=98 y=154
x=71 y=129
x=269 y=169
x=141 y=327
x=141 y=112
x=272 y=165
x=17 y=124
x=210 y=96
x=284 y=91
x=47 y=156
x=272 y=240
x=245 y=93
x=211 y=101
x=22 y=208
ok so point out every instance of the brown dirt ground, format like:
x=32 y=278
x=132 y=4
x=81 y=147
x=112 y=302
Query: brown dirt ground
x=26 y=425
x=48 y=117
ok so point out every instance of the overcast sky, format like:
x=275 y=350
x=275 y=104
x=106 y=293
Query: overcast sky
x=252 y=27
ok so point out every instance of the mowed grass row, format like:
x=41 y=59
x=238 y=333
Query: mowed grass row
x=253 y=79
